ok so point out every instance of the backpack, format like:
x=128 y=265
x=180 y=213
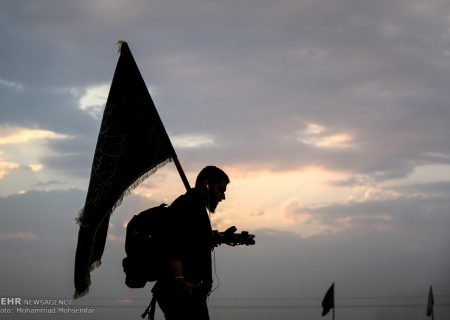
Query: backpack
x=144 y=246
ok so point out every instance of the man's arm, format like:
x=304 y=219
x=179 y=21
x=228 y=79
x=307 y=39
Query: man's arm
x=177 y=275
x=176 y=269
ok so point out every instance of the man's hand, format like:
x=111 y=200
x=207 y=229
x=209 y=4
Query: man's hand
x=186 y=286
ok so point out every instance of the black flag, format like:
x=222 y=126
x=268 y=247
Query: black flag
x=328 y=301
x=132 y=144
x=430 y=304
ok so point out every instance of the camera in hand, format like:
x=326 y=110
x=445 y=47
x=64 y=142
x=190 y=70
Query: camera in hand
x=231 y=238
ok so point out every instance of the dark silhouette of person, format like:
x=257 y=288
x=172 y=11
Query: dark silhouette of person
x=186 y=283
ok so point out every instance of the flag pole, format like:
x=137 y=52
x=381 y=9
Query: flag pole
x=181 y=172
x=334 y=304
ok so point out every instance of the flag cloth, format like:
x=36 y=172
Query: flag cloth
x=328 y=301
x=430 y=303
x=132 y=144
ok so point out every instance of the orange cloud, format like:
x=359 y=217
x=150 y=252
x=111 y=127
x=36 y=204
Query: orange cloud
x=16 y=135
x=6 y=166
x=316 y=135
x=261 y=199
x=27 y=235
x=35 y=167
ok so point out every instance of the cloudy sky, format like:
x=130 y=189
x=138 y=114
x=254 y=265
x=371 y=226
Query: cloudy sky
x=331 y=118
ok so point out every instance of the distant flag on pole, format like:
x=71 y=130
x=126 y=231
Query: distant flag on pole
x=328 y=301
x=430 y=304
x=132 y=144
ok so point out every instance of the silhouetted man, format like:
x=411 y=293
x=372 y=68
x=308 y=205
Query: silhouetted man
x=187 y=281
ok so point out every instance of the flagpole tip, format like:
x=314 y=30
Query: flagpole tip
x=120 y=43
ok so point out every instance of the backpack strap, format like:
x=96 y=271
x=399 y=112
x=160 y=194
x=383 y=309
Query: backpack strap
x=150 y=311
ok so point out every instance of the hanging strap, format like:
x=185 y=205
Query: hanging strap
x=150 y=311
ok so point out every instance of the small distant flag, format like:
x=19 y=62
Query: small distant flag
x=430 y=304
x=328 y=301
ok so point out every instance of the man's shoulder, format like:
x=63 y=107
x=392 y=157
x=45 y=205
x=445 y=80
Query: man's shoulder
x=190 y=201
x=189 y=197
x=180 y=201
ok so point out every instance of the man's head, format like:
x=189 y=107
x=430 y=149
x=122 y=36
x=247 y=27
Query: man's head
x=212 y=182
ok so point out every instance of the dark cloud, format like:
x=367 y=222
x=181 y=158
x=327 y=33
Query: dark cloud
x=78 y=165
x=260 y=73
x=50 y=108
x=421 y=210
x=49 y=183
x=441 y=189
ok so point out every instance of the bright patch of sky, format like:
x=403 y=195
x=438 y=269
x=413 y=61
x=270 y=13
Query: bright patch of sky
x=193 y=141
x=303 y=187
x=35 y=167
x=94 y=99
x=318 y=136
x=21 y=152
x=11 y=84
x=6 y=166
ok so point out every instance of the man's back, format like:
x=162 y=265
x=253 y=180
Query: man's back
x=191 y=241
